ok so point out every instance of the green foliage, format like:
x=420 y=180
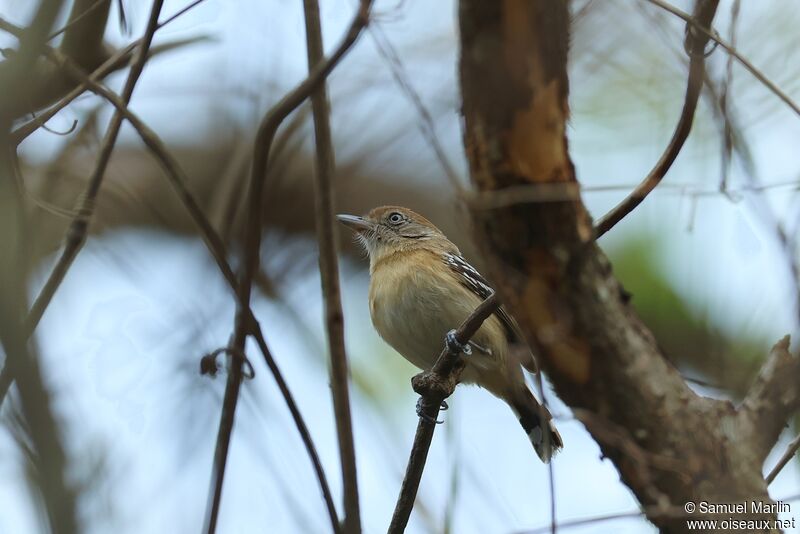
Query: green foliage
x=690 y=339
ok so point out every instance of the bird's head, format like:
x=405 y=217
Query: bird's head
x=389 y=229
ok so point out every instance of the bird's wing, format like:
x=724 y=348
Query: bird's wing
x=475 y=282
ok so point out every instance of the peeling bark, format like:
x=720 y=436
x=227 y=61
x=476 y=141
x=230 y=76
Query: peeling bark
x=600 y=357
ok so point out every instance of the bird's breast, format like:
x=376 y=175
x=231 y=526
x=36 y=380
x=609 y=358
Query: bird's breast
x=413 y=304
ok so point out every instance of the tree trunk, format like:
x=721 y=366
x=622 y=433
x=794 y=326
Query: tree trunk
x=670 y=445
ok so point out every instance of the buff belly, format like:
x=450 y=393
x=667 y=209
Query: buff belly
x=420 y=315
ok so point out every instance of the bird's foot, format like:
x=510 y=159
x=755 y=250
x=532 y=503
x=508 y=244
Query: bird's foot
x=454 y=345
x=481 y=348
x=422 y=408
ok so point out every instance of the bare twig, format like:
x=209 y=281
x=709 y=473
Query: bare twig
x=559 y=192
x=266 y=133
x=724 y=103
x=735 y=135
x=427 y=126
x=76 y=234
x=329 y=272
x=66 y=132
x=110 y=65
x=714 y=36
x=695 y=44
x=115 y=62
x=434 y=386
x=791 y=450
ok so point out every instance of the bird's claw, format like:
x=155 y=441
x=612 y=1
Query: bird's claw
x=454 y=345
x=421 y=406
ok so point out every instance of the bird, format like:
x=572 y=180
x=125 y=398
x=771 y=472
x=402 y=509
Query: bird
x=421 y=288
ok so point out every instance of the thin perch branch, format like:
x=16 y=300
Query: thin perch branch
x=434 y=386
x=252 y=243
x=329 y=272
x=695 y=44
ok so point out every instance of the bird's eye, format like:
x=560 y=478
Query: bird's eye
x=395 y=218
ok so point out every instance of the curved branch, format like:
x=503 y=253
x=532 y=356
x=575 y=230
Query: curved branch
x=695 y=44
x=252 y=243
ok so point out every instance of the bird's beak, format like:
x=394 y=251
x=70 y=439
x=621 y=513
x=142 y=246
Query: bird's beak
x=355 y=223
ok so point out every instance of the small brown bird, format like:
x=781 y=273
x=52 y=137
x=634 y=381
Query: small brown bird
x=421 y=288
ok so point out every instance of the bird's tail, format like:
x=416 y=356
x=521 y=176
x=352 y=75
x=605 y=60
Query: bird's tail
x=537 y=423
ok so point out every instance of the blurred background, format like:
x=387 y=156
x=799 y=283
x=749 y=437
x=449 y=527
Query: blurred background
x=121 y=342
